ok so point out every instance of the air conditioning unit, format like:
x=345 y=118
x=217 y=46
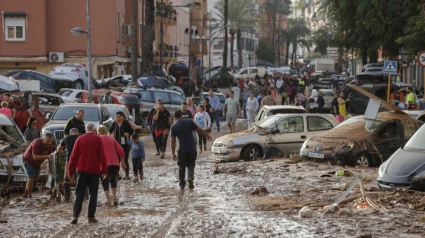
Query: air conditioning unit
x=56 y=57
x=127 y=30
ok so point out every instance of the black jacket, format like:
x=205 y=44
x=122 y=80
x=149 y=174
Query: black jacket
x=75 y=123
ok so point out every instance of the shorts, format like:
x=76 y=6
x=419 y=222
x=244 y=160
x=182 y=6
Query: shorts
x=231 y=118
x=31 y=170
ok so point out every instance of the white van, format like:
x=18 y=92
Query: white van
x=249 y=73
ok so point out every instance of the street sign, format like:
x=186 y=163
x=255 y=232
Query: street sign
x=420 y=58
x=390 y=67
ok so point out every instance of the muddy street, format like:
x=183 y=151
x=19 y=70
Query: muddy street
x=241 y=199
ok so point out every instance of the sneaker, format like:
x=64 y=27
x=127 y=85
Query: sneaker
x=135 y=180
x=190 y=181
x=205 y=148
x=141 y=177
x=92 y=220
x=74 y=221
x=162 y=155
x=218 y=129
x=127 y=178
x=116 y=202
x=157 y=153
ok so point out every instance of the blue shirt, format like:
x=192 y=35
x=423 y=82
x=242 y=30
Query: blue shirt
x=214 y=102
x=137 y=149
x=182 y=129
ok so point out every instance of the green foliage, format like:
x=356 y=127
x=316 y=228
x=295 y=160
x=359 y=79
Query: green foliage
x=265 y=52
x=414 y=34
x=321 y=39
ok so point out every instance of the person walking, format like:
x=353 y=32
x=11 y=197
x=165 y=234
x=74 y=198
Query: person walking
x=245 y=96
x=190 y=106
x=114 y=154
x=75 y=122
x=268 y=100
x=291 y=93
x=38 y=151
x=186 y=113
x=163 y=121
x=236 y=91
x=231 y=109
x=138 y=153
x=341 y=105
x=88 y=158
x=208 y=109
x=10 y=104
x=151 y=126
x=121 y=130
x=252 y=107
x=68 y=144
x=410 y=99
x=5 y=110
x=215 y=103
x=186 y=154
x=203 y=120
x=279 y=84
x=31 y=132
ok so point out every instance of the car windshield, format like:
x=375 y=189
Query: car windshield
x=113 y=110
x=14 y=133
x=328 y=93
x=415 y=143
x=286 y=111
x=268 y=122
x=65 y=113
x=370 y=125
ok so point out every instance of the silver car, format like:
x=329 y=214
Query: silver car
x=71 y=76
x=283 y=132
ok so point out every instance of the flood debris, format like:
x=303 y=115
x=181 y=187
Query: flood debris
x=305 y=212
x=261 y=190
x=229 y=170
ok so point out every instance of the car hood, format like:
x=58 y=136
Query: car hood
x=404 y=163
x=60 y=124
x=238 y=137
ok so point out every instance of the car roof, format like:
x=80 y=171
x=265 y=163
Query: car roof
x=293 y=115
x=73 y=89
x=27 y=70
x=414 y=112
x=80 y=105
x=276 y=107
x=46 y=94
x=5 y=120
x=203 y=93
x=113 y=105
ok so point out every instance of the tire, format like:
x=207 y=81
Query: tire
x=363 y=160
x=28 y=99
x=250 y=153
x=78 y=84
x=145 y=120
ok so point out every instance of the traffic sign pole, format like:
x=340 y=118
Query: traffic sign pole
x=389 y=88
x=420 y=58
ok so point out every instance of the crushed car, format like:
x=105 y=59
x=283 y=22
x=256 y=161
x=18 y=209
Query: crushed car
x=283 y=133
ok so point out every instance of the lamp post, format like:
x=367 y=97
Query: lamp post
x=161 y=27
x=78 y=31
x=209 y=50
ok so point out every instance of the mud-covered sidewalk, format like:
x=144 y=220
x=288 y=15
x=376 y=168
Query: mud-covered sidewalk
x=225 y=203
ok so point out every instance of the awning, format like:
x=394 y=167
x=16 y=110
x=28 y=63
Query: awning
x=14 y=14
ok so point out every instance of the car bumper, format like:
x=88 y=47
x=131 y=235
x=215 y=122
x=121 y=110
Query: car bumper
x=226 y=154
x=323 y=155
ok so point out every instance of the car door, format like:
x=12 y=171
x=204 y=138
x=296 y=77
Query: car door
x=45 y=85
x=316 y=125
x=103 y=114
x=252 y=73
x=291 y=136
x=388 y=139
x=358 y=101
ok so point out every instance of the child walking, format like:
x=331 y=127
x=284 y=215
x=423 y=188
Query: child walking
x=138 y=153
x=203 y=120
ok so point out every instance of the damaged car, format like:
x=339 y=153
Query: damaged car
x=406 y=167
x=12 y=148
x=360 y=141
x=281 y=134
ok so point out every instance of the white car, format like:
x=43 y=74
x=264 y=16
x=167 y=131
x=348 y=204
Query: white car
x=71 y=95
x=71 y=75
x=418 y=115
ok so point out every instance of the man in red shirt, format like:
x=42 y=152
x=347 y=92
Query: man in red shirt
x=35 y=155
x=89 y=159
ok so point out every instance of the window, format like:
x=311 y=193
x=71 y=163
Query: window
x=118 y=27
x=163 y=96
x=176 y=99
x=389 y=132
x=291 y=125
x=146 y=96
x=318 y=124
x=42 y=78
x=14 y=28
x=244 y=71
x=254 y=71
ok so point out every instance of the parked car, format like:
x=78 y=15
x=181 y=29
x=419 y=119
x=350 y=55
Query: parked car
x=172 y=100
x=284 y=132
x=250 y=73
x=267 y=111
x=71 y=95
x=158 y=82
x=121 y=79
x=361 y=141
x=47 y=84
x=418 y=115
x=328 y=96
x=47 y=102
x=406 y=166
x=371 y=67
x=220 y=96
x=12 y=147
x=113 y=108
x=71 y=76
x=361 y=79
x=94 y=113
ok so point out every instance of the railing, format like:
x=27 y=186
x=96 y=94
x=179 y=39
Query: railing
x=168 y=51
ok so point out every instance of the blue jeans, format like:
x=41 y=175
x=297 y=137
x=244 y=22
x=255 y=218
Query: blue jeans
x=217 y=118
x=31 y=170
x=137 y=166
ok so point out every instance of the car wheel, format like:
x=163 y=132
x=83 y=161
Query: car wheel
x=363 y=160
x=145 y=120
x=78 y=84
x=252 y=152
x=28 y=99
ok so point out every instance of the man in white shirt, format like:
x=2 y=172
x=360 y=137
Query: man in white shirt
x=279 y=84
x=236 y=91
x=252 y=106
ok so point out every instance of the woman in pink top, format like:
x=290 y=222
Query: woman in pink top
x=112 y=149
x=5 y=110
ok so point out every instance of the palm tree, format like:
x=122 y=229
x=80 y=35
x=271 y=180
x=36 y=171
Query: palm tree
x=239 y=18
x=276 y=8
x=295 y=35
x=134 y=49
x=225 y=18
x=149 y=36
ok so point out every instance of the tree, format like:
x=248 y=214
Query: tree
x=295 y=35
x=134 y=49
x=239 y=18
x=149 y=36
x=323 y=39
x=226 y=37
x=265 y=52
x=276 y=8
x=414 y=35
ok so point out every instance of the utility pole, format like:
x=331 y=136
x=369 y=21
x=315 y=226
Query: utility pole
x=134 y=50
x=190 y=43
x=89 y=97
x=161 y=29
x=142 y=34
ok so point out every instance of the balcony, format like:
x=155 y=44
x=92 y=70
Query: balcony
x=169 y=14
x=170 y=53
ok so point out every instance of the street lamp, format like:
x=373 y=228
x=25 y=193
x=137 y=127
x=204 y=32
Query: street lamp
x=77 y=31
x=188 y=5
x=209 y=50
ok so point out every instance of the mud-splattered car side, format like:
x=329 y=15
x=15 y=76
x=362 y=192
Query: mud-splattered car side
x=284 y=133
x=360 y=141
